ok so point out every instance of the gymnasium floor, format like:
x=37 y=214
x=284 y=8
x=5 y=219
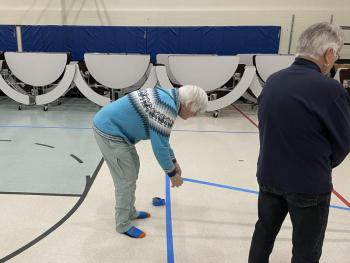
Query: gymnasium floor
x=57 y=200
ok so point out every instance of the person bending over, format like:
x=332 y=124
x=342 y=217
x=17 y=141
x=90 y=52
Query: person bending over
x=142 y=115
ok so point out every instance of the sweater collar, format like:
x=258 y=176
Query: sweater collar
x=306 y=63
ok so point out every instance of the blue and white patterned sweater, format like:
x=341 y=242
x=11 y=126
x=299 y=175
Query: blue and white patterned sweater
x=141 y=115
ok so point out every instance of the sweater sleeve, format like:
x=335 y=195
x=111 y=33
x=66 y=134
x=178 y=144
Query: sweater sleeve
x=338 y=126
x=163 y=152
x=172 y=154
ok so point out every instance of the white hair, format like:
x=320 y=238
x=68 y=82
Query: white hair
x=195 y=97
x=317 y=38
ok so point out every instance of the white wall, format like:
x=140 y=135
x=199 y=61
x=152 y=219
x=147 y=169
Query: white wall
x=179 y=12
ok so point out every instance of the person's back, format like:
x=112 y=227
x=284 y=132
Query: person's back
x=304 y=129
x=301 y=134
x=136 y=114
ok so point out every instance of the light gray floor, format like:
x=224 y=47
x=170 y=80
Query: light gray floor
x=212 y=214
x=47 y=152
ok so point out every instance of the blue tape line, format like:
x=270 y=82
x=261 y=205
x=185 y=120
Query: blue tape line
x=169 y=227
x=235 y=132
x=222 y=186
x=43 y=127
x=246 y=190
x=340 y=207
x=77 y=128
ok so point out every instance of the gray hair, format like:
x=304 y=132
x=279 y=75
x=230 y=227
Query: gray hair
x=195 y=97
x=317 y=38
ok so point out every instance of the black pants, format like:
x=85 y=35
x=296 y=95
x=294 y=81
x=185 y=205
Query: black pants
x=309 y=216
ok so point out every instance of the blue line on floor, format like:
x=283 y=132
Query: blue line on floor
x=169 y=228
x=87 y=128
x=246 y=190
x=216 y=131
x=340 y=207
x=221 y=186
x=43 y=127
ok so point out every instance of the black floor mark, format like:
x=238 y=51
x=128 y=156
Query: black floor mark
x=44 y=145
x=88 y=184
x=76 y=158
x=5 y=140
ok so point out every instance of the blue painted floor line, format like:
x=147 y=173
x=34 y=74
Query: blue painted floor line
x=44 y=127
x=221 y=186
x=246 y=190
x=89 y=128
x=340 y=207
x=216 y=131
x=169 y=231
x=169 y=227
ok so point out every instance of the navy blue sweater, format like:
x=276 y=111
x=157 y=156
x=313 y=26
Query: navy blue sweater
x=304 y=129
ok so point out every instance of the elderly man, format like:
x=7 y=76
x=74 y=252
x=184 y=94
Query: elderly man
x=304 y=130
x=141 y=115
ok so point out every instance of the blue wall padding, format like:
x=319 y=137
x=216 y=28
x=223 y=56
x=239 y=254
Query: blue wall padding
x=82 y=39
x=105 y=40
x=8 y=41
x=225 y=40
x=230 y=40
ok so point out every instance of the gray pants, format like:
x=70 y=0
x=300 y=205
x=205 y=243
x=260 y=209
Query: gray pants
x=123 y=163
